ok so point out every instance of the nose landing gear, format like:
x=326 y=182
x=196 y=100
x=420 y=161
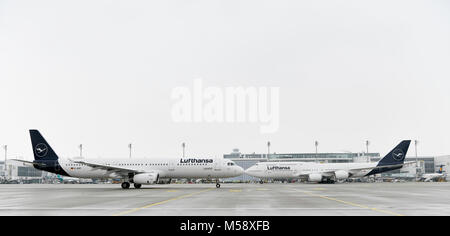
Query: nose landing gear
x=217 y=184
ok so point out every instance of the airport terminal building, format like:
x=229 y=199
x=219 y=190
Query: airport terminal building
x=17 y=172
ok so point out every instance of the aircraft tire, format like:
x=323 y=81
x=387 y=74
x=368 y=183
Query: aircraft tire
x=125 y=185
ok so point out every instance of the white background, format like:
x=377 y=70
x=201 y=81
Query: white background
x=101 y=73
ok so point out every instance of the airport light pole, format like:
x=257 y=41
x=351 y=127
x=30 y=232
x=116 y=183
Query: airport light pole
x=6 y=158
x=183 y=145
x=415 y=145
x=81 y=149
x=316 y=143
x=268 y=150
x=417 y=159
x=367 y=150
x=130 y=146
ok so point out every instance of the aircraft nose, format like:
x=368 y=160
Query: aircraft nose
x=250 y=171
x=241 y=170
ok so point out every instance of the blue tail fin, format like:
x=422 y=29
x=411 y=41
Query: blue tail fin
x=441 y=169
x=41 y=149
x=397 y=155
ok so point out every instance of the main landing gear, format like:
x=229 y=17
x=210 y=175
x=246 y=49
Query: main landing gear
x=328 y=181
x=126 y=185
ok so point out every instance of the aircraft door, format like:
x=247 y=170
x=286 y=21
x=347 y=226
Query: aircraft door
x=269 y=169
x=218 y=165
x=171 y=166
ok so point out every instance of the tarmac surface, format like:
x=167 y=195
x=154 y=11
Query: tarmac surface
x=354 y=199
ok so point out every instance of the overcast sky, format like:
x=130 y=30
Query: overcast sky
x=101 y=73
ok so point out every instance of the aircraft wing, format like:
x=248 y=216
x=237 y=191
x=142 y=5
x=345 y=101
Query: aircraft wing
x=427 y=179
x=28 y=162
x=409 y=163
x=377 y=167
x=351 y=171
x=305 y=175
x=111 y=168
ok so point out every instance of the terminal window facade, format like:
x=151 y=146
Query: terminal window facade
x=28 y=172
x=302 y=155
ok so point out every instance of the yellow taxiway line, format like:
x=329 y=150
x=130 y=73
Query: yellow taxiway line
x=350 y=203
x=162 y=202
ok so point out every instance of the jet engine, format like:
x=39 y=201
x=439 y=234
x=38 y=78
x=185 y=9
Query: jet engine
x=341 y=174
x=315 y=177
x=146 y=178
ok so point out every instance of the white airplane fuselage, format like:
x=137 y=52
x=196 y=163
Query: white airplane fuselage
x=165 y=168
x=280 y=170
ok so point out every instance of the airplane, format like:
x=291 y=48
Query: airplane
x=329 y=172
x=137 y=171
x=434 y=176
x=71 y=180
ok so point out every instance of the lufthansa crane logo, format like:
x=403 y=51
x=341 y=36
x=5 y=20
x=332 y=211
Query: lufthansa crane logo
x=398 y=154
x=41 y=150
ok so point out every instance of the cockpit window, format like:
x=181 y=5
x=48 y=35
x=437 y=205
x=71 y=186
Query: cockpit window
x=230 y=164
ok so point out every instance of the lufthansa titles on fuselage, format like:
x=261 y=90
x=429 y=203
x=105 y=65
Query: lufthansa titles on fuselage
x=278 y=168
x=196 y=161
